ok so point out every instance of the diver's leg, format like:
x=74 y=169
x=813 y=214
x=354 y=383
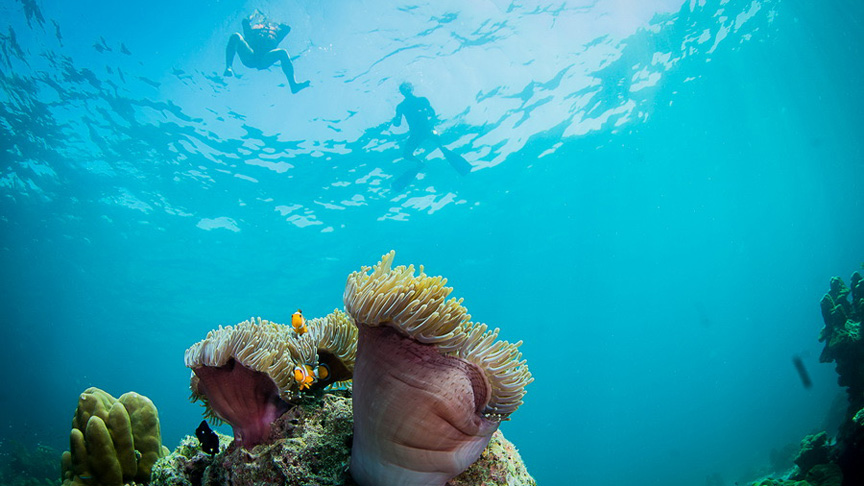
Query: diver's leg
x=414 y=165
x=410 y=146
x=436 y=139
x=237 y=45
x=230 y=50
x=281 y=55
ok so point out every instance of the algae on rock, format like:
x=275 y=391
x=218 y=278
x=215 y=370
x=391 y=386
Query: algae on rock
x=822 y=461
x=311 y=444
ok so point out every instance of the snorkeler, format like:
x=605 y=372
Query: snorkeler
x=258 y=49
x=421 y=119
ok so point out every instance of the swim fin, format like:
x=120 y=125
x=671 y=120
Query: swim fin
x=456 y=161
x=401 y=182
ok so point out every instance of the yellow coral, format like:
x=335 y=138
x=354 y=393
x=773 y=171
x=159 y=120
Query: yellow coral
x=112 y=440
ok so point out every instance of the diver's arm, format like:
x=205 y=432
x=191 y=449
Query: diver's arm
x=397 y=120
x=247 y=28
x=281 y=32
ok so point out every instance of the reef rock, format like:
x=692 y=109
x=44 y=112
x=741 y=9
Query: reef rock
x=842 y=312
x=311 y=445
x=815 y=450
x=781 y=482
x=821 y=461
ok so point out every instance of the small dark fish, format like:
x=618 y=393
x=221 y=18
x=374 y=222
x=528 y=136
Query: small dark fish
x=802 y=372
x=124 y=50
x=208 y=439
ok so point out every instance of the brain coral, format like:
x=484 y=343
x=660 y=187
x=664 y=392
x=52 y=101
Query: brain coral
x=430 y=386
x=246 y=375
x=113 y=441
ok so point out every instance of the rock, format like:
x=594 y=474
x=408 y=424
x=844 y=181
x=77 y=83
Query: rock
x=311 y=445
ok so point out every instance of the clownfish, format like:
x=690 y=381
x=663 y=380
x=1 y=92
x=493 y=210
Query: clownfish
x=323 y=372
x=305 y=375
x=299 y=322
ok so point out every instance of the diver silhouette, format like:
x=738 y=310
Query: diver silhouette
x=258 y=48
x=421 y=118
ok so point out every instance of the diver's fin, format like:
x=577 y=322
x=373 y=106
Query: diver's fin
x=401 y=182
x=456 y=161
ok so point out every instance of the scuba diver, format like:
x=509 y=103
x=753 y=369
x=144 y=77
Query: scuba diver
x=258 y=48
x=421 y=120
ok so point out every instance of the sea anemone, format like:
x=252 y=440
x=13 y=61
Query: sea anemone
x=430 y=386
x=247 y=375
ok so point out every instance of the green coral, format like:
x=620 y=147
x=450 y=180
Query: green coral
x=112 y=441
x=815 y=450
x=821 y=462
x=858 y=418
x=841 y=329
x=21 y=465
x=842 y=312
x=780 y=482
x=315 y=448
x=499 y=465
x=145 y=431
x=820 y=475
x=828 y=474
x=186 y=464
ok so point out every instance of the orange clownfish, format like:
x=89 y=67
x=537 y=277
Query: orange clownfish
x=323 y=372
x=299 y=322
x=305 y=375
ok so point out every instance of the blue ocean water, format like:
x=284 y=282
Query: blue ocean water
x=660 y=192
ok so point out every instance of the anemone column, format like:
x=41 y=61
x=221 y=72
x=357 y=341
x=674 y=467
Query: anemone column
x=417 y=417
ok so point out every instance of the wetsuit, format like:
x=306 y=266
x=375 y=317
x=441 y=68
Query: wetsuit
x=420 y=116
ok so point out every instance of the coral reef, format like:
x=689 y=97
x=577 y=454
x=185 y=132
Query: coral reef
x=430 y=386
x=430 y=389
x=248 y=374
x=21 y=465
x=813 y=464
x=311 y=446
x=113 y=441
x=815 y=450
x=842 y=335
x=821 y=461
x=185 y=466
x=781 y=482
x=842 y=312
x=500 y=464
x=827 y=474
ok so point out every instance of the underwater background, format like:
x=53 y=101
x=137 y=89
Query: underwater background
x=661 y=191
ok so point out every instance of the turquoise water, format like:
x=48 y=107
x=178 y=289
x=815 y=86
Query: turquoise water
x=660 y=193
